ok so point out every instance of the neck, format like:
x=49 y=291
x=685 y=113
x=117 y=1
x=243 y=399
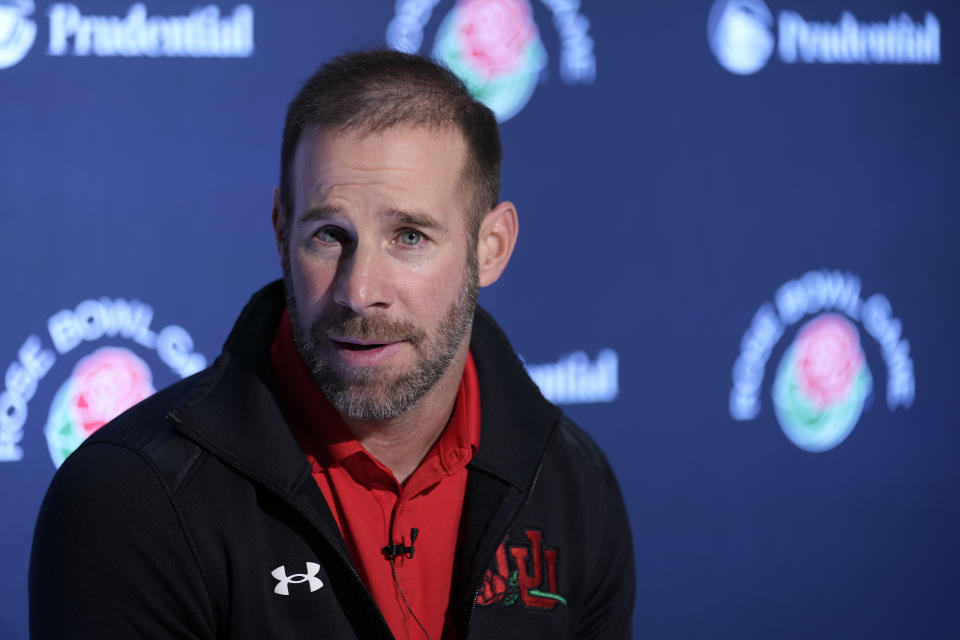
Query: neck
x=401 y=443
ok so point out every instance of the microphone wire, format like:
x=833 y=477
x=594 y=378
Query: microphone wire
x=396 y=580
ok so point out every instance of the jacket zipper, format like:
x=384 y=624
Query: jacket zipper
x=506 y=530
x=353 y=570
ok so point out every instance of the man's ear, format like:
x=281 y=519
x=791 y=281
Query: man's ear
x=279 y=219
x=495 y=242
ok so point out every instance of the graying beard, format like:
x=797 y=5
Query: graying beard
x=355 y=399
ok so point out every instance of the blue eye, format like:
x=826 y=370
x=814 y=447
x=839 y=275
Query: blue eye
x=410 y=238
x=330 y=235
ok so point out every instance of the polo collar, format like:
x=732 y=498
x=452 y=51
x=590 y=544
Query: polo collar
x=233 y=410
x=329 y=442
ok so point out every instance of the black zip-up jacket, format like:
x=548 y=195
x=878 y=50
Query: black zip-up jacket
x=194 y=515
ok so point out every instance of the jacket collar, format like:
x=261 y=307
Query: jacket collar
x=516 y=421
x=234 y=414
x=233 y=411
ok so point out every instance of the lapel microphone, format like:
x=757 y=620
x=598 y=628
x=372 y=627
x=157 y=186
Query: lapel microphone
x=392 y=551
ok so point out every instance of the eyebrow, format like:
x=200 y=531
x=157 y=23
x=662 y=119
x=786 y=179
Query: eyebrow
x=401 y=216
x=417 y=219
x=319 y=213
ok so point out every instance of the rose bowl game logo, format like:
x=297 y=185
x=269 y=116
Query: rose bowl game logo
x=822 y=384
x=103 y=385
x=495 y=48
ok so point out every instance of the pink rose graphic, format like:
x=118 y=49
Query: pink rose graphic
x=494 y=34
x=828 y=359
x=495 y=48
x=108 y=382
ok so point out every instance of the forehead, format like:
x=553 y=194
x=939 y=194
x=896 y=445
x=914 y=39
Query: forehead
x=404 y=161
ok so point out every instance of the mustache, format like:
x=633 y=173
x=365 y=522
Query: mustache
x=370 y=328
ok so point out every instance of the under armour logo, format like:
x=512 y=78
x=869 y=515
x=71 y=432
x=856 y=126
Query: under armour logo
x=310 y=577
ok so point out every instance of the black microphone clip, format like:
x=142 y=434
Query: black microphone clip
x=392 y=551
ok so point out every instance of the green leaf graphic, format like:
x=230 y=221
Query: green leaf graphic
x=545 y=594
x=513 y=589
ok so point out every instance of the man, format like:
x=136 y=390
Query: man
x=367 y=458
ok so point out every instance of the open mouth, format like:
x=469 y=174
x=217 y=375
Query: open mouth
x=357 y=353
x=360 y=347
x=355 y=346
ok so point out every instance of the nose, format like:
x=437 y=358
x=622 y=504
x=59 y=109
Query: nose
x=362 y=280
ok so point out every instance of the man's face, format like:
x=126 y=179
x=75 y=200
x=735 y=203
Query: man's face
x=381 y=278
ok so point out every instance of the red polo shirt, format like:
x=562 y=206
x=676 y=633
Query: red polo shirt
x=371 y=508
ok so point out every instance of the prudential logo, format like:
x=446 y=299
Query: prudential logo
x=206 y=32
x=740 y=35
x=743 y=36
x=17 y=32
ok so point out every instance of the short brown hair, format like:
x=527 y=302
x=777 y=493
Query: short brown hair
x=378 y=89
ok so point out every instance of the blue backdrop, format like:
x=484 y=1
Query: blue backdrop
x=737 y=268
